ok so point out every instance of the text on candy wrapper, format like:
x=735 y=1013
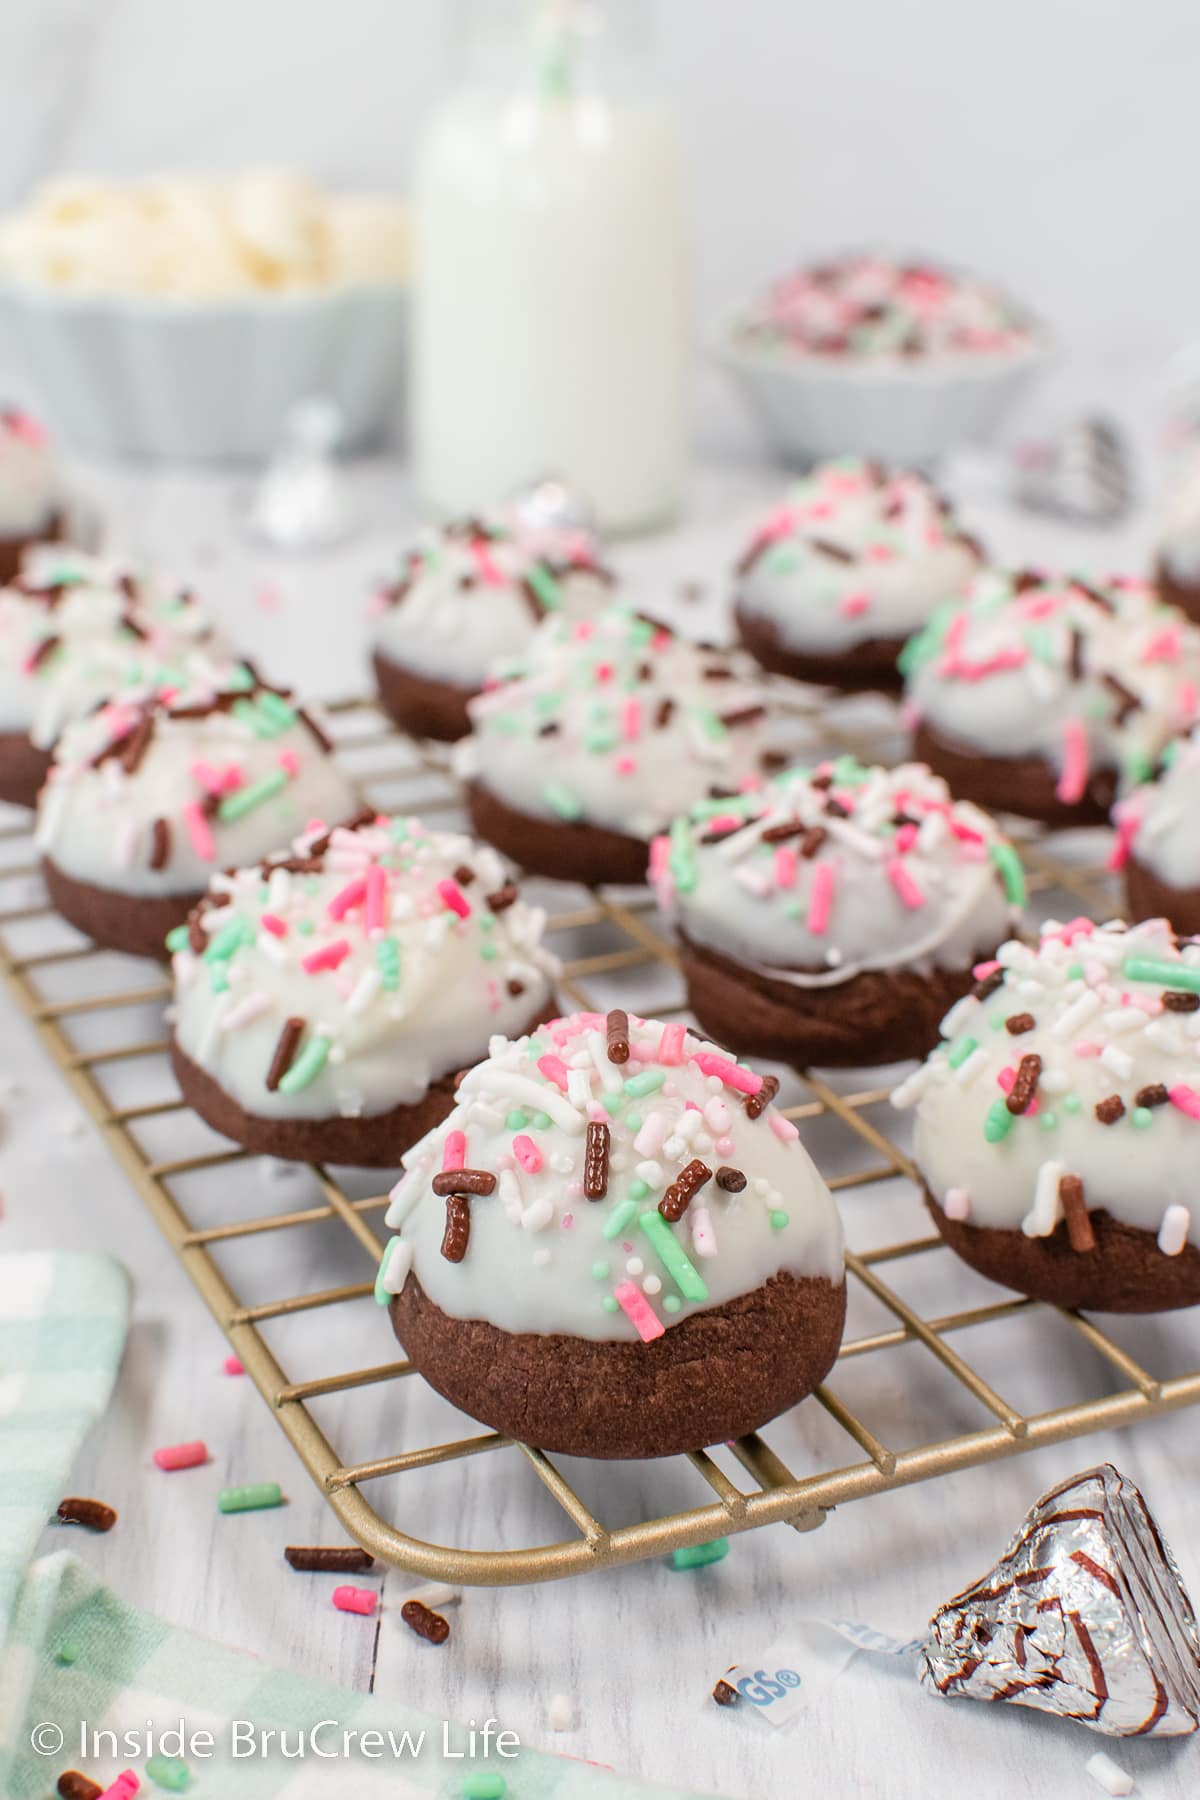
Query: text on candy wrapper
x=763 y=1690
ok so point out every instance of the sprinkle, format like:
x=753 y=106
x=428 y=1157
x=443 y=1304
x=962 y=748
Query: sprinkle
x=454 y=1150
x=182 y=1456
x=731 y=1180
x=724 y=1695
x=1185 y=1099
x=356 y=1600
x=457 y=1234
x=252 y=1498
x=123 y=1788
x=621 y=1215
x=72 y=1785
x=648 y=1082
x=338 y=1559
x=683 y=1189
x=743 y=1081
x=363 y=992
x=758 y=1102
x=957 y=1204
x=1008 y=864
x=96 y=1515
x=1154 y=1094
x=595 y=1161
x=616 y=1027
x=307 y=1066
x=704 y=1241
x=1047 y=1198
x=959 y=1053
x=554 y=1069
x=673 y=1257
x=561 y=800
x=998 y=1123
x=169 y=1772
x=527 y=1154
x=1108 y=1774
x=670 y=1045
x=783 y=1128
x=273 y=923
x=1079 y=1225
x=639 y=1312
x=452 y=896
x=561 y=1714
x=1117 y=1060
x=346 y=898
x=484 y=1784
x=1180 y=1003
x=427 y=1624
x=1072 y=783
x=233 y=1365
x=1077 y=1015
x=820 y=902
x=1177 y=975
x=698 y=1556
x=199 y=832
x=243 y=800
x=328 y=956
x=905 y=886
x=464 y=1181
x=1173 y=1232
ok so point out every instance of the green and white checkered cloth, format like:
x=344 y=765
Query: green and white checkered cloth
x=62 y=1328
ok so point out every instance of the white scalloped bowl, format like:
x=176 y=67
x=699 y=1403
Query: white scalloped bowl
x=119 y=375
x=898 y=410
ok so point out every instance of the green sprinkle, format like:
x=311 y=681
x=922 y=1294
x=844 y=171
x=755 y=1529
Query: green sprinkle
x=307 y=1066
x=648 y=1082
x=778 y=1220
x=849 y=772
x=487 y=921
x=682 y=859
x=1071 y=1103
x=517 y=1120
x=544 y=586
x=1075 y=972
x=561 y=800
x=1178 y=975
x=958 y=1053
x=696 y=1556
x=609 y=1303
x=781 y=560
x=633 y=1122
x=621 y=1215
x=1048 y=1121
x=218 y=978
x=542 y=1121
x=244 y=800
x=612 y=1103
x=600 y=1271
x=709 y=724
x=399 y=830
x=240 y=680
x=996 y=1020
x=247 y=713
x=671 y=1303
x=169 y=1772
x=68 y=1653
x=250 y=1498
x=488 y=952
x=484 y=1786
x=1012 y=874
x=231 y=937
x=387 y=961
x=381 y=1294
x=177 y=939
x=996 y=1126
x=277 y=709
x=1142 y=1117
x=673 y=1256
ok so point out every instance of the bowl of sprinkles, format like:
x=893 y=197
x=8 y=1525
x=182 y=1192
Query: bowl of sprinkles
x=897 y=358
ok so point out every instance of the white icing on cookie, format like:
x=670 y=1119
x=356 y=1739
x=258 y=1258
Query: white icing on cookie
x=1159 y=822
x=153 y=792
x=473 y=592
x=545 y=1256
x=1088 y=1002
x=77 y=627
x=614 y=721
x=827 y=873
x=1084 y=677
x=401 y=949
x=853 y=554
x=31 y=490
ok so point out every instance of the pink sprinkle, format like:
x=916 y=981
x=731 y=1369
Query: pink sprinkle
x=554 y=1069
x=603 y=672
x=207 y=777
x=820 y=900
x=625 y=765
x=982 y=970
x=181 y=1456
x=327 y=957
x=631 y=720
x=660 y=856
x=670 y=1045
x=485 y=562
x=965 y=834
x=374 y=907
x=199 y=832
x=743 y=1081
x=451 y=895
x=289 y=762
x=454 y=1151
x=233 y=1365
x=906 y=837
x=1164 y=647
x=1189 y=698
x=567 y=1221
x=639 y=1312
x=1086 y=1047
x=273 y=923
x=783 y=1128
x=351 y=895
x=355 y=1600
x=1186 y=1099
x=725 y=822
x=852 y=606
x=123 y=1788
x=904 y=884
x=785 y=866
x=1127 y=830
x=1072 y=783
x=527 y=1154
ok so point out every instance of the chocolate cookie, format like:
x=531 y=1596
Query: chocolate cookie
x=420 y=706
x=561 y=848
x=866 y=667
x=23 y=769
x=138 y=925
x=1151 y=898
x=1013 y=784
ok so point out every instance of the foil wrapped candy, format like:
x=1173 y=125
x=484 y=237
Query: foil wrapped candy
x=1085 y=1615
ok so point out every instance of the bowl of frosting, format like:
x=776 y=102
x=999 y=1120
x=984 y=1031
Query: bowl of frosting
x=867 y=354
x=182 y=318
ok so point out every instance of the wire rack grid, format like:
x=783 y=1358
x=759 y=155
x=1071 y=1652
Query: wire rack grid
x=615 y=953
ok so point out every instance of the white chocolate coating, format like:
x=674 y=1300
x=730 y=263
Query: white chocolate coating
x=420 y=974
x=616 y=722
x=79 y=627
x=542 y=1256
x=852 y=555
x=30 y=482
x=1160 y=821
x=1094 y=994
x=227 y=787
x=1043 y=666
x=849 y=890
x=472 y=594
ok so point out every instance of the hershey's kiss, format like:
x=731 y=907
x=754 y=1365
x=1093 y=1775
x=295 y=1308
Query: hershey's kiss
x=550 y=504
x=1082 y=474
x=1085 y=1615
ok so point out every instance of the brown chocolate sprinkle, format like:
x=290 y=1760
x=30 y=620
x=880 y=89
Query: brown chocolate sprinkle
x=1154 y=1095
x=1079 y=1224
x=773 y=760
x=834 y=552
x=457 y=1234
x=616 y=1029
x=320 y=1559
x=1075 y=658
x=984 y=989
x=732 y=1180
x=683 y=1189
x=425 y=1622
x=45 y=648
x=160 y=844
x=1024 y=1087
x=319 y=737
x=835 y=809
x=503 y=897
x=74 y=1786
x=1017 y=1024
x=197 y=931
x=135 y=746
x=1127 y=701
x=95 y=1514
x=742 y=715
x=515 y=988
x=464 y=874
x=464 y=1181
x=787 y=828
x=1096 y=595
x=550 y=729
x=813 y=841
x=757 y=1104
x=717 y=672
x=1108 y=1111
x=595 y=1160
x=1176 y=1000
x=724 y=1695
x=663 y=714
x=286 y=1046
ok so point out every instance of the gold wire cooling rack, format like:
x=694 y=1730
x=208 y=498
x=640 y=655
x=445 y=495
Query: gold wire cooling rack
x=627 y=954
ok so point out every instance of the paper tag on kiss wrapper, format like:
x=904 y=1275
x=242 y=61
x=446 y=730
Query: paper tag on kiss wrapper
x=795 y=1672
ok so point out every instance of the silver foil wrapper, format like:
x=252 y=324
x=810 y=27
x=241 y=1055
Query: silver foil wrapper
x=549 y=504
x=1082 y=474
x=1085 y=1615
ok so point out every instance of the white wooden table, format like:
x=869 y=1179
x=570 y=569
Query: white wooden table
x=637 y=1648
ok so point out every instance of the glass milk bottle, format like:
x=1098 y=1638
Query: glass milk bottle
x=551 y=327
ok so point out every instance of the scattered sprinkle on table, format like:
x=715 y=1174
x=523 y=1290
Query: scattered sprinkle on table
x=126 y=1785
x=337 y=1559
x=426 y=1623
x=1108 y=1774
x=68 y=1653
x=357 y=1600
x=484 y=1786
x=233 y=1366
x=560 y=1714
x=724 y=1695
x=181 y=1456
x=95 y=1514
x=169 y=1772
x=696 y=1556
x=74 y=1786
x=250 y=1498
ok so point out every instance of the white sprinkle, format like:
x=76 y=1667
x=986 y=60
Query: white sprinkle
x=1108 y=1774
x=579 y=1086
x=1054 y=1081
x=1165 y=1035
x=652 y=1173
x=397 y=1261
x=912 y=1087
x=958 y=1015
x=538 y=1214
x=755 y=881
x=252 y=1007
x=635 y=1266
x=524 y=1091
x=597 y=1048
x=974 y=1066
x=273 y=948
x=704 y=1240
x=675 y=1146
x=561 y=1714
x=652 y=1285
x=957 y=1204
x=364 y=991
x=279 y=889
x=435 y=1595
x=1076 y=1015
x=212 y=1026
x=1119 y=1061
x=1120 y=1019
x=511 y=1199
x=1043 y=1216
x=1173 y=1232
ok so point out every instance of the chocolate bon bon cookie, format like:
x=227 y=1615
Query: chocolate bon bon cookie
x=1058 y=1125
x=1158 y=840
x=468 y=595
x=324 y=1000
x=1040 y=694
x=615 y=1245
x=833 y=916
x=835 y=581
x=157 y=789
x=599 y=736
